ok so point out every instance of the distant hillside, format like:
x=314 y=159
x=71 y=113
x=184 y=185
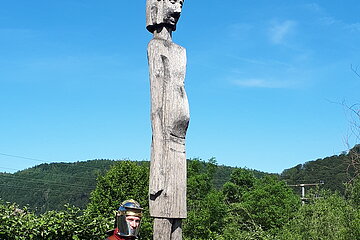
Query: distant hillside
x=50 y=186
x=334 y=171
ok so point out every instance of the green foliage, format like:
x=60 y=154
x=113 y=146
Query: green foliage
x=125 y=180
x=250 y=206
x=241 y=181
x=243 y=178
x=205 y=204
x=50 y=186
x=353 y=192
x=69 y=224
x=270 y=203
x=246 y=208
x=330 y=217
x=251 y=232
x=257 y=205
x=334 y=171
x=199 y=182
x=205 y=217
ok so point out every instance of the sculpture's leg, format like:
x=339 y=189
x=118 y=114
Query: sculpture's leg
x=167 y=229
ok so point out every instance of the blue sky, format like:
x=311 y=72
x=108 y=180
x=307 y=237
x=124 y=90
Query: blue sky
x=265 y=80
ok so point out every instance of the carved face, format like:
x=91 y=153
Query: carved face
x=161 y=13
x=172 y=11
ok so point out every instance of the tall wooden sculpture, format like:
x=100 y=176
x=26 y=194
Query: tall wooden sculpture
x=170 y=119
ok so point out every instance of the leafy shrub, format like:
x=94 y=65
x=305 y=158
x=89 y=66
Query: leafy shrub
x=69 y=224
x=330 y=217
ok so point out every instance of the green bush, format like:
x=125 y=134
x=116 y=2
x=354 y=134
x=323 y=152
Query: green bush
x=330 y=218
x=246 y=208
x=69 y=224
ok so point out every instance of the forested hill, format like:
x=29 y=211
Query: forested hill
x=51 y=186
x=333 y=171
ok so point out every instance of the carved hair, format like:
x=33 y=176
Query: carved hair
x=154 y=14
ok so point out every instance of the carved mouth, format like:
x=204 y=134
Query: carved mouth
x=175 y=15
x=173 y=18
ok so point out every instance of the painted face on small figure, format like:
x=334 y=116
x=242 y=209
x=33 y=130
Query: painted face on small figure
x=172 y=11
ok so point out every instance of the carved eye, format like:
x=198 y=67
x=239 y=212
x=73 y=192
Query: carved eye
x=177 y=1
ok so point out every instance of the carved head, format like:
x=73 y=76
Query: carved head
x=162 y=13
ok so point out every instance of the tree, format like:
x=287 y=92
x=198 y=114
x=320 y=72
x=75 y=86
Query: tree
x=330 y=217
x=353 y=113
x=353 y=192
x=270 y=203
x=241 y=181
x=125 y=180
x=206 y=207
x=257 y=205
x=68 y=224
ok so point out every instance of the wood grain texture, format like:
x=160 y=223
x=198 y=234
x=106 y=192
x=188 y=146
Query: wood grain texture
x=170 y=119
x=167 y=229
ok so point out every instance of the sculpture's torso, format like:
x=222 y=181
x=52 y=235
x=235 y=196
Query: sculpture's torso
x=170 y=118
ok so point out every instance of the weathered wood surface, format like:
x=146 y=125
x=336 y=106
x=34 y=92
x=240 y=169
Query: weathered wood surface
x=167 y=229
x=170 y=118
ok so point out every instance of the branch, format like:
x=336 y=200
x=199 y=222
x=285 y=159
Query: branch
x=355 y=70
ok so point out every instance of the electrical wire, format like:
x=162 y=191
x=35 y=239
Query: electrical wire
x=49 y=162
x=42 y=181
x=52 y=174
x=9 y=168
x=35 y=189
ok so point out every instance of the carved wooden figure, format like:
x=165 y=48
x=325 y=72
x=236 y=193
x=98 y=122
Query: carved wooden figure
x=170 y=119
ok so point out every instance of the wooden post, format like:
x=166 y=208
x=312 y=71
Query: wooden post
x=169 y=120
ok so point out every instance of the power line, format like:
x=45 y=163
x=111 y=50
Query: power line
x=16 y=169
x=10 y=168
x=15 y=156
x=302 y=186
x=49 y=162
x=36 y=180
x=52 y=174
x=49 y=182
x=35 y=189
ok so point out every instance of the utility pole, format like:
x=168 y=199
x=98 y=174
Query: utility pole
x=302 y=186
